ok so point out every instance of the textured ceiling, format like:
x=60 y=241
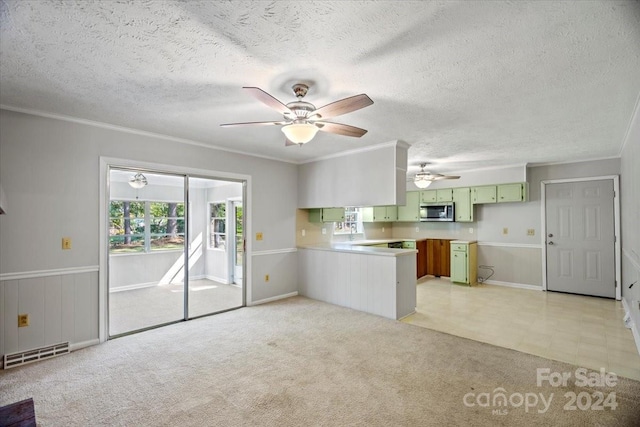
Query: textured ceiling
x=468 y=84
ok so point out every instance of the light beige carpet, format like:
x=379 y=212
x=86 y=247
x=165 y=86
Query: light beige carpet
x=300 y=362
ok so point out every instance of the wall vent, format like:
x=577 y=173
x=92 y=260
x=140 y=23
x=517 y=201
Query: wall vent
x=23 y=357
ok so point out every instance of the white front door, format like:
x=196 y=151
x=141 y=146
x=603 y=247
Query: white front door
x=580 y=237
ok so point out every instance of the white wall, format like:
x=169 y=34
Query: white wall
x=50 y=173
x=630 y=212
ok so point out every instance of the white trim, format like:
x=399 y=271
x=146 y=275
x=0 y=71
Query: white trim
x=132 y=287
x=513 y=285
x=276 y=298
x=569 y=162
x=214 y=279
x=83 y=344
x=511 y=245
x=135 y=131
x=616 y=225
x=275 y=252
x=46 y=273
x=634 y=327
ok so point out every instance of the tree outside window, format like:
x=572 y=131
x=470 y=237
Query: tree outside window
x=139 y=227
x=217 y=225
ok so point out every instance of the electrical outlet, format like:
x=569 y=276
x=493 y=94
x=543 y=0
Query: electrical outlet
x=383 y=229
x=266 y=277
x=470 y=230
x=324 y=230
x=258 y=236
x=531 y=232
x=66 y=243
x=505 y=230
x=417 y=229
x=23 y=320
x=304 y=232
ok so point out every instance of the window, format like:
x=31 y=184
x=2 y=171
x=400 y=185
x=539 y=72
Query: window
x=217 y=225
x=352 y=222
x=139 y=227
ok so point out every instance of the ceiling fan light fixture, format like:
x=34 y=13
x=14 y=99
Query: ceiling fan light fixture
x=300 y=133
x=421 y=182
x=138 y=181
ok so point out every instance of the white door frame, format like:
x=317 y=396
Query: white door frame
x=105 y=163
x=616 y=224
x=231 y=256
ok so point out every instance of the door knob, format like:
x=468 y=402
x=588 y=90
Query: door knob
x=550 y=235
x=551 y=243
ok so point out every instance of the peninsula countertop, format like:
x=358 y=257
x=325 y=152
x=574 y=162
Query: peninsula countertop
x=361 y=247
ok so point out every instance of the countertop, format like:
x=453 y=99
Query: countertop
x=361 y=247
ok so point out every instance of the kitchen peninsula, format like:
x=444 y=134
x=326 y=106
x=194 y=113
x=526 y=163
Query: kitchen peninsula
x=360 y=275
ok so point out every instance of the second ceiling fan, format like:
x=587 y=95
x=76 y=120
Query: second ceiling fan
x=302 y=120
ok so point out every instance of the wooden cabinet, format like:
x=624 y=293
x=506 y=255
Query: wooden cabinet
x=410 y=211
x=421 y=260
x=484 y=194
x=464 y=268
x=444 y=195
x=326 y=215
x=380 y=214
x=428 y=196
x=438 y=257
x=512 y=192
x=463 y=205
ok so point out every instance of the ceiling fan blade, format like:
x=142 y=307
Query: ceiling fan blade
x=267 y=99
x=340 y=129
x=226 y=125
x=449 y=177
x=343 y=106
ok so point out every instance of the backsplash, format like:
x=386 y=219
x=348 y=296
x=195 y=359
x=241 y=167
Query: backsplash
x=381 y=230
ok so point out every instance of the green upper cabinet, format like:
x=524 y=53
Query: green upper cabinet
x=326 y=215
x=444 y=195
x=410 y=211
x=428 y=196
x=512 y=192
x=484 y=194
x=380 y=214
x=463 y=205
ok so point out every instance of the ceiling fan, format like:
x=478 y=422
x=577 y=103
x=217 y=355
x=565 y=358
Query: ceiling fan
x=302 y=120
x=424 y=179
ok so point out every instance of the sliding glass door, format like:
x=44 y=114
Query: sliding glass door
x=168 y=251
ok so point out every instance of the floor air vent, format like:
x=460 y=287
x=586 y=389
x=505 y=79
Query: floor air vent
x=23 y=357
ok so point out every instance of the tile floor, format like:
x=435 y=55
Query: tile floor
x=584 y=331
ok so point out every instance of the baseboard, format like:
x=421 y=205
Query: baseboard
x=513 y=285
x=276 y=298
x=83 y=344
x=132 y=287
x=217 y=279
x=634 y=327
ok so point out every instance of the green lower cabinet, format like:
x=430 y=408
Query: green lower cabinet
x=326 y=215
x=411 y=211
x=409 y=244
x=464 y=262
x=463 y=205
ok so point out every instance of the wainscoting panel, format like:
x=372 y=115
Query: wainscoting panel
x=62 y=306
x=282 y=267
x=512 y=263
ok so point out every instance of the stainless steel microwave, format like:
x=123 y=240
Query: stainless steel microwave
x=437 y=212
